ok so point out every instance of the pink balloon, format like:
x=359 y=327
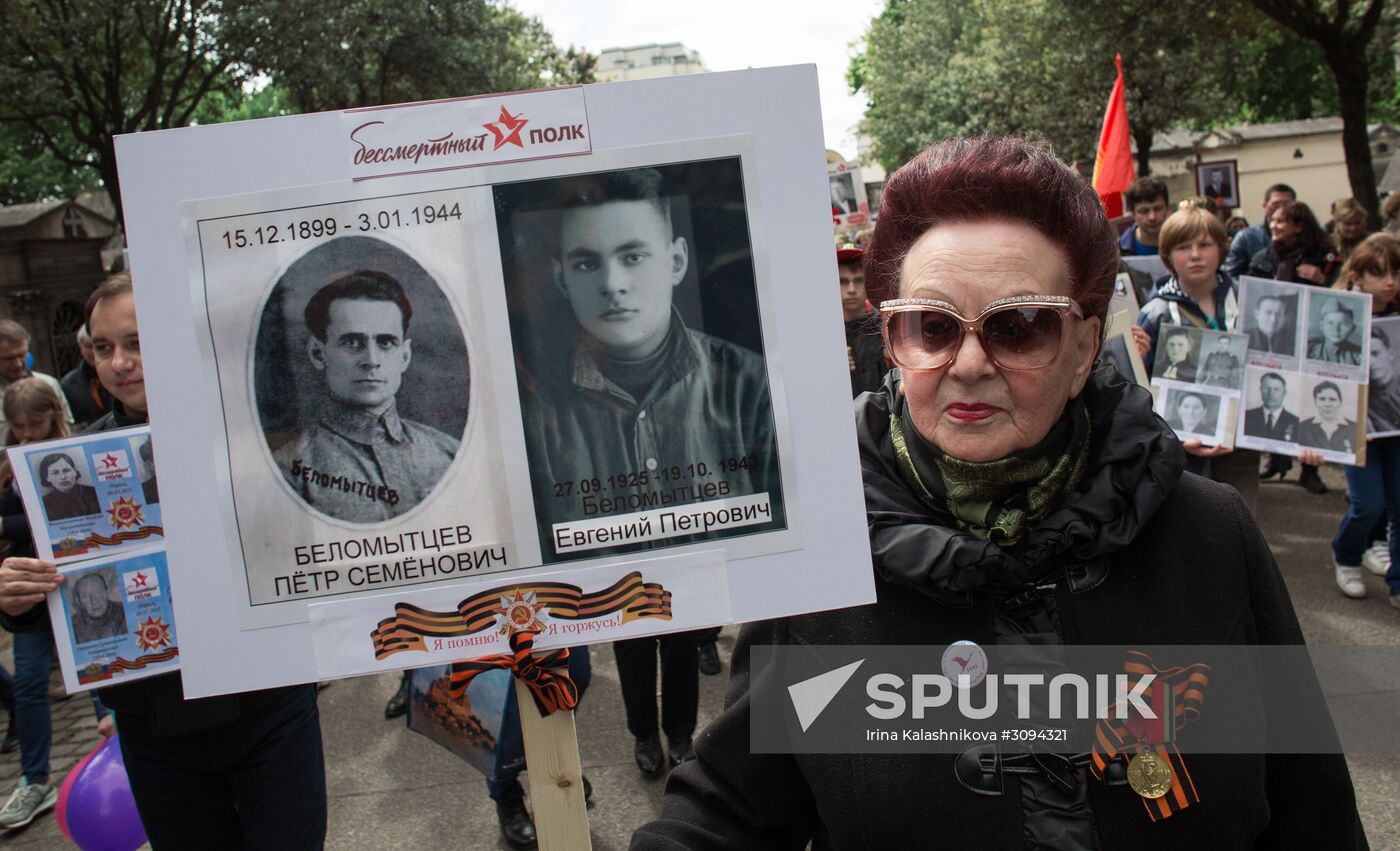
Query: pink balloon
x=98 y=808
x=61 y=809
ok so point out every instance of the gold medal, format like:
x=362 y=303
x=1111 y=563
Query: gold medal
x=1149 y=775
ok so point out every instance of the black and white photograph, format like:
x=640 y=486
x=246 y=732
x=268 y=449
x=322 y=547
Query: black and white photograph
x=1337 y=333
x=380 y=364
x=1150 y=265
x=1272 y=400
x=1383 y=398
x=1124 y=296
x=843 y=194
x=95 y=607
x=146 y=467
x=66 y=485
x=1178 y=351
x=1219 y=181
x=1269 y=313
x=643 y=380
x=1193 y=414
x=1329 y=416
x=1220 y=359
x=1119 y=349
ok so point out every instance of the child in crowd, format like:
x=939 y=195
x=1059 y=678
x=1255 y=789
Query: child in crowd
x=33 y=412
x=1373 y=490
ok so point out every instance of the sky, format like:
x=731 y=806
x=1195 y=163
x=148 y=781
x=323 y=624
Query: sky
x=731 y=35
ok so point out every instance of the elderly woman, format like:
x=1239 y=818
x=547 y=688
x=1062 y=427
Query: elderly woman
x=1349 y=226
x=1015 y=494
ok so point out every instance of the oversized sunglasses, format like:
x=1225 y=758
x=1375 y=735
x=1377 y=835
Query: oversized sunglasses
x=1017 y=333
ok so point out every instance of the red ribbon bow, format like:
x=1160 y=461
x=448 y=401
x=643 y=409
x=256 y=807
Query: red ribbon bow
x=547 y=675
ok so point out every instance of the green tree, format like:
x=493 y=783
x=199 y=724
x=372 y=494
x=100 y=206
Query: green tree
x=75 y=74
x=30 y=172
x=1343 y=31
x=364 y=53
x=1043 y=67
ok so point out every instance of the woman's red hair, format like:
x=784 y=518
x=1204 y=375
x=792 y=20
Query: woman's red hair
x=989 y=178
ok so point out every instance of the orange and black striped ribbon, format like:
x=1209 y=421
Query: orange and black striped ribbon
x=1112 y=739
x=547 y=675
x=119 y=664
x=96 y=540
x=410 y=624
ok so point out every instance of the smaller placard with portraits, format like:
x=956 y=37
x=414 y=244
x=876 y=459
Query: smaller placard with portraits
x=90 y=495
x=1287 y=412
x=1308 y=329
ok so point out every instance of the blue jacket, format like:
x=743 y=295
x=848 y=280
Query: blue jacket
x=1172 y=306
x=1127 y=239
x=1246 y=244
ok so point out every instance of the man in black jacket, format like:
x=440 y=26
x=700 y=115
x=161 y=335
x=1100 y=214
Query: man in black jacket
x=86 y=396
x=219 y=772
x=865 y=350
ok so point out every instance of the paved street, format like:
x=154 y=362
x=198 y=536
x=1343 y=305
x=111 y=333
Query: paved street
x=391 y=788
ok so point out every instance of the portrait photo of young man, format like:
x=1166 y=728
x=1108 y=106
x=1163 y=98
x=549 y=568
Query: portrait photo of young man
x=626 y=401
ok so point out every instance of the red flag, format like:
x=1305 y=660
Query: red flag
x=1113 y=166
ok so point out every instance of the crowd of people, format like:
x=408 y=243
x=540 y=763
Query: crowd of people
x=995 y=448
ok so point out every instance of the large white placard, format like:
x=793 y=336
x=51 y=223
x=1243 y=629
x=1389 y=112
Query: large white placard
x=242 y=332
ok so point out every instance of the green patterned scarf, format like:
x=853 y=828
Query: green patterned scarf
x=996 y=501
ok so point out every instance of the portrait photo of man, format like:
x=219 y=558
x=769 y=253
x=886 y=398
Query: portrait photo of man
x=359 y=345
x=95 y=614
x=1383 y=404
x=1270 y=325
x=1270 y=420
x=1332 y=334
x=1216 y=181
x=1223 y=362
x=65 y=494
x=617 y=389
x=150 y=490
x=843 y=194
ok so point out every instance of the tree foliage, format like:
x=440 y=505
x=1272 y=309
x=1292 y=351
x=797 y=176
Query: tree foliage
x=76 y=73
x=365 y=53
x=935 y=68
x=1343 y=31
x=29 y=173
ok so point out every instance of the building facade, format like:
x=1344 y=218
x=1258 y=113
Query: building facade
x=1306 y=155
x=51 y=259
x=647 y=61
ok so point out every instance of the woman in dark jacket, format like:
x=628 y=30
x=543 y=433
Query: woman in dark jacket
x=1015 y=496
x=1301 y=251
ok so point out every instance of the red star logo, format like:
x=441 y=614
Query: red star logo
x=109 y=461
x=508 y=133
x=139 y=579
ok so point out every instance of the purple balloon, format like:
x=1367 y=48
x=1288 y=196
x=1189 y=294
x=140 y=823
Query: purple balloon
x=101 y=811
